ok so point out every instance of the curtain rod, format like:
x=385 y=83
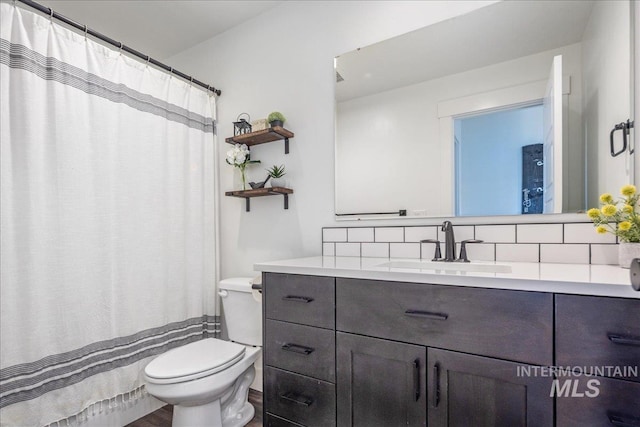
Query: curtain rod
x=119 y=45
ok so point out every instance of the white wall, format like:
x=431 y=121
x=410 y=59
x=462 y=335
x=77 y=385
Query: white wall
x=283 y=60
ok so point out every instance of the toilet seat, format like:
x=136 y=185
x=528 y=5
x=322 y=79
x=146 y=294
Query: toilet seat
x=194 y=360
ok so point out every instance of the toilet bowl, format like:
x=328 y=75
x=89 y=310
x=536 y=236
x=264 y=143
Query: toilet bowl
x=208 y=381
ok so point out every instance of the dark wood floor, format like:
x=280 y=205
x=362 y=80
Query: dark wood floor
x=162 y=417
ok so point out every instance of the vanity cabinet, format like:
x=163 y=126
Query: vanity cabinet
x=356 y=352
x=299 y=350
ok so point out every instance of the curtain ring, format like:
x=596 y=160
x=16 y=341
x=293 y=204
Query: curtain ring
x=51 y=15
x=86 y=31
x=120 y=50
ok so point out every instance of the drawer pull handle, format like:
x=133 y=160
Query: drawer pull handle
x=295 y=298
x=624 y=340
x=436 y=385
x=296 y=398
x=623 y=421
x=426 y=314
x=300 y=349
x=416 y=378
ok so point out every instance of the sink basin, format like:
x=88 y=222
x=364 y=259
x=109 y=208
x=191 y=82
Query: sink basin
x=449 y=266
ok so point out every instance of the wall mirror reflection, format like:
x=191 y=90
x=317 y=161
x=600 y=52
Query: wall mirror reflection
x=505 y=110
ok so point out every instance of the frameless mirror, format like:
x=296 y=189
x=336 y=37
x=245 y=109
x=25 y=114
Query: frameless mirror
x=505 y=110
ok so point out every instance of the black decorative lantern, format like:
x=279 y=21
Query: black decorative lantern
x=241 y=126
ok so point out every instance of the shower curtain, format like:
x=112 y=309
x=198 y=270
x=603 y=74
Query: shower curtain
x=107 y=220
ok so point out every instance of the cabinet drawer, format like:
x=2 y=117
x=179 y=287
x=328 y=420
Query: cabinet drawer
x=597 y=331
x=301 y=399
x=273 y=421
x=308 y=300
x=505 y=324
x=302 y=349
x=617 y=403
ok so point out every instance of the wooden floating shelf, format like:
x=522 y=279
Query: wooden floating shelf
x=262 y=137
x=260 y=192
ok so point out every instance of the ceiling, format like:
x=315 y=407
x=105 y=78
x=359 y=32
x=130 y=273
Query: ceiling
x=500 y=32
x=159 y=29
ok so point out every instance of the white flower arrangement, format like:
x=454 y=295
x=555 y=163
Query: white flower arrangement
x=240 y=156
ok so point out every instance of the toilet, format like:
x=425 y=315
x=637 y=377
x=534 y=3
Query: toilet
x=208 y=381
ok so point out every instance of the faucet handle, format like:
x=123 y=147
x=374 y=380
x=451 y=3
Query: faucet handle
x=437 y=256
x=463 y=249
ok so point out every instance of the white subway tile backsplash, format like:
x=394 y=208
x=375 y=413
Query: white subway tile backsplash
x=567 y=253
x=334 y=235
x=517 y=253
x=481 y=252
x=376 y=250
x=585 y=233
x=389 y=234
x=404 y=250
x=604 y=254
x=496 y=233
x=539 y=233
x=328 y=249
x=360 y=234
x=415 y=234
x=347 y=249
x=428 y=250
x=575 y=243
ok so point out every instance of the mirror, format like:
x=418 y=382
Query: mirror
x=454 y=118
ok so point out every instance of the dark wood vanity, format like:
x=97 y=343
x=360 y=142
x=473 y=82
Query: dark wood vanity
x=353 y=352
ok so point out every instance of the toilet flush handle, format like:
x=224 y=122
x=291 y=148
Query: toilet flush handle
x=223 y=293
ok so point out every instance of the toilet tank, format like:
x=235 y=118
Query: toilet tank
x=242 y=310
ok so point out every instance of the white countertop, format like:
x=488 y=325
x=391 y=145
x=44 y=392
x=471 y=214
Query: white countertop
x=581 y=279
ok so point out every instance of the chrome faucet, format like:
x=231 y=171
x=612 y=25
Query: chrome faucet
x=449 y=242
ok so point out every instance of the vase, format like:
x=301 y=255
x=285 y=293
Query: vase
x=627 y=252
x=243 y=176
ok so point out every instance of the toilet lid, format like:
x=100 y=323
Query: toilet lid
x=195 y=360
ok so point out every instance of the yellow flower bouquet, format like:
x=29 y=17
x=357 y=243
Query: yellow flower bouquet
x=618 y=217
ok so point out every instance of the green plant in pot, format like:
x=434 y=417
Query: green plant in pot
x=276 y=118
x=276 y=173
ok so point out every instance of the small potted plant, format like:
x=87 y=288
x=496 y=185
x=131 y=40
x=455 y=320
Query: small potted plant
x=276 y=118
x=276 y=173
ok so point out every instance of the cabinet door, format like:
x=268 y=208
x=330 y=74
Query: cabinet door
x=379 y=382
x=467 y=390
